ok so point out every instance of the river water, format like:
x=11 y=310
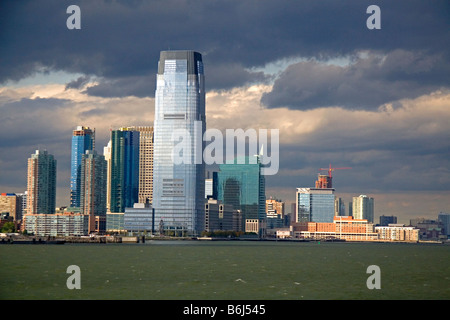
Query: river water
x=226 y=270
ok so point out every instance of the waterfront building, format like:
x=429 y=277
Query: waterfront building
x=124 y=169
x=58 y=224
x=12 y=204
x=363 y=208
x=242 y=185
x=315 y=204
x=93 y=183
x=429 y=229
x=343 y=228
x=140 y=218
x=179 y=188
x=83 y=139
x=41 y=183
x=115 y=222
x=218 y=216
x=397 y=232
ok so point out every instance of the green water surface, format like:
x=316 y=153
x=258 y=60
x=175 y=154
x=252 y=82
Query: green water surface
x=225 y=270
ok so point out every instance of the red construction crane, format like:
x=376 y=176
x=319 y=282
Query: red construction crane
x=330 y=169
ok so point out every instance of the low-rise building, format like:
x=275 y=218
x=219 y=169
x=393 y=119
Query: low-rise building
x=342 y=228
x=140 y=218
x=58 y=224
x=115 y=222
x=397 y=232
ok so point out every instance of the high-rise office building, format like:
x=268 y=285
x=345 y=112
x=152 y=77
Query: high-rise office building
x=107 y=155
x=93 y=183
x=41 y=183
x=363 y=208
x=124 y=166
x=145 y=164
x=83 y=139
x=315 y=204
x=242 y=185
x=179 y=188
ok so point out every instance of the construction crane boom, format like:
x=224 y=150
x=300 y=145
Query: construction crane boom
x=330 y=169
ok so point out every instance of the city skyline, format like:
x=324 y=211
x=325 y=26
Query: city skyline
x=376 y=101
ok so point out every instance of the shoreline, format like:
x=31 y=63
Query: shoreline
x=143 y=239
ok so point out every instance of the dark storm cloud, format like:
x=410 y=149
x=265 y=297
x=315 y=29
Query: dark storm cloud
x=28 y=122
x=78 y=83
x=120 y=40
x=224 y=76
x=139 y=86
x=365 y=84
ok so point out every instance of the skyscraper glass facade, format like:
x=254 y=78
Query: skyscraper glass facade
x=315 y=205
x=179 y=189
x=242 y=185
x=124 y=168
x=83 y=139
x=363 y=208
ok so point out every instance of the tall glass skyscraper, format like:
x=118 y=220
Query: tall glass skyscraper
x=124 y=166
x=179 y=188
x=83 y=139
x=242 y=185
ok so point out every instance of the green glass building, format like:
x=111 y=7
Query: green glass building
x=242 y=185
x=124 y=169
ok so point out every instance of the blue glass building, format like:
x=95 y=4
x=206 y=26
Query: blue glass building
x=315 y=204
x=242 y=185
x=124 y=175
x=179 y=188
x=83 y=139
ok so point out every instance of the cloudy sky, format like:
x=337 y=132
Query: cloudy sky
x=377 y=101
